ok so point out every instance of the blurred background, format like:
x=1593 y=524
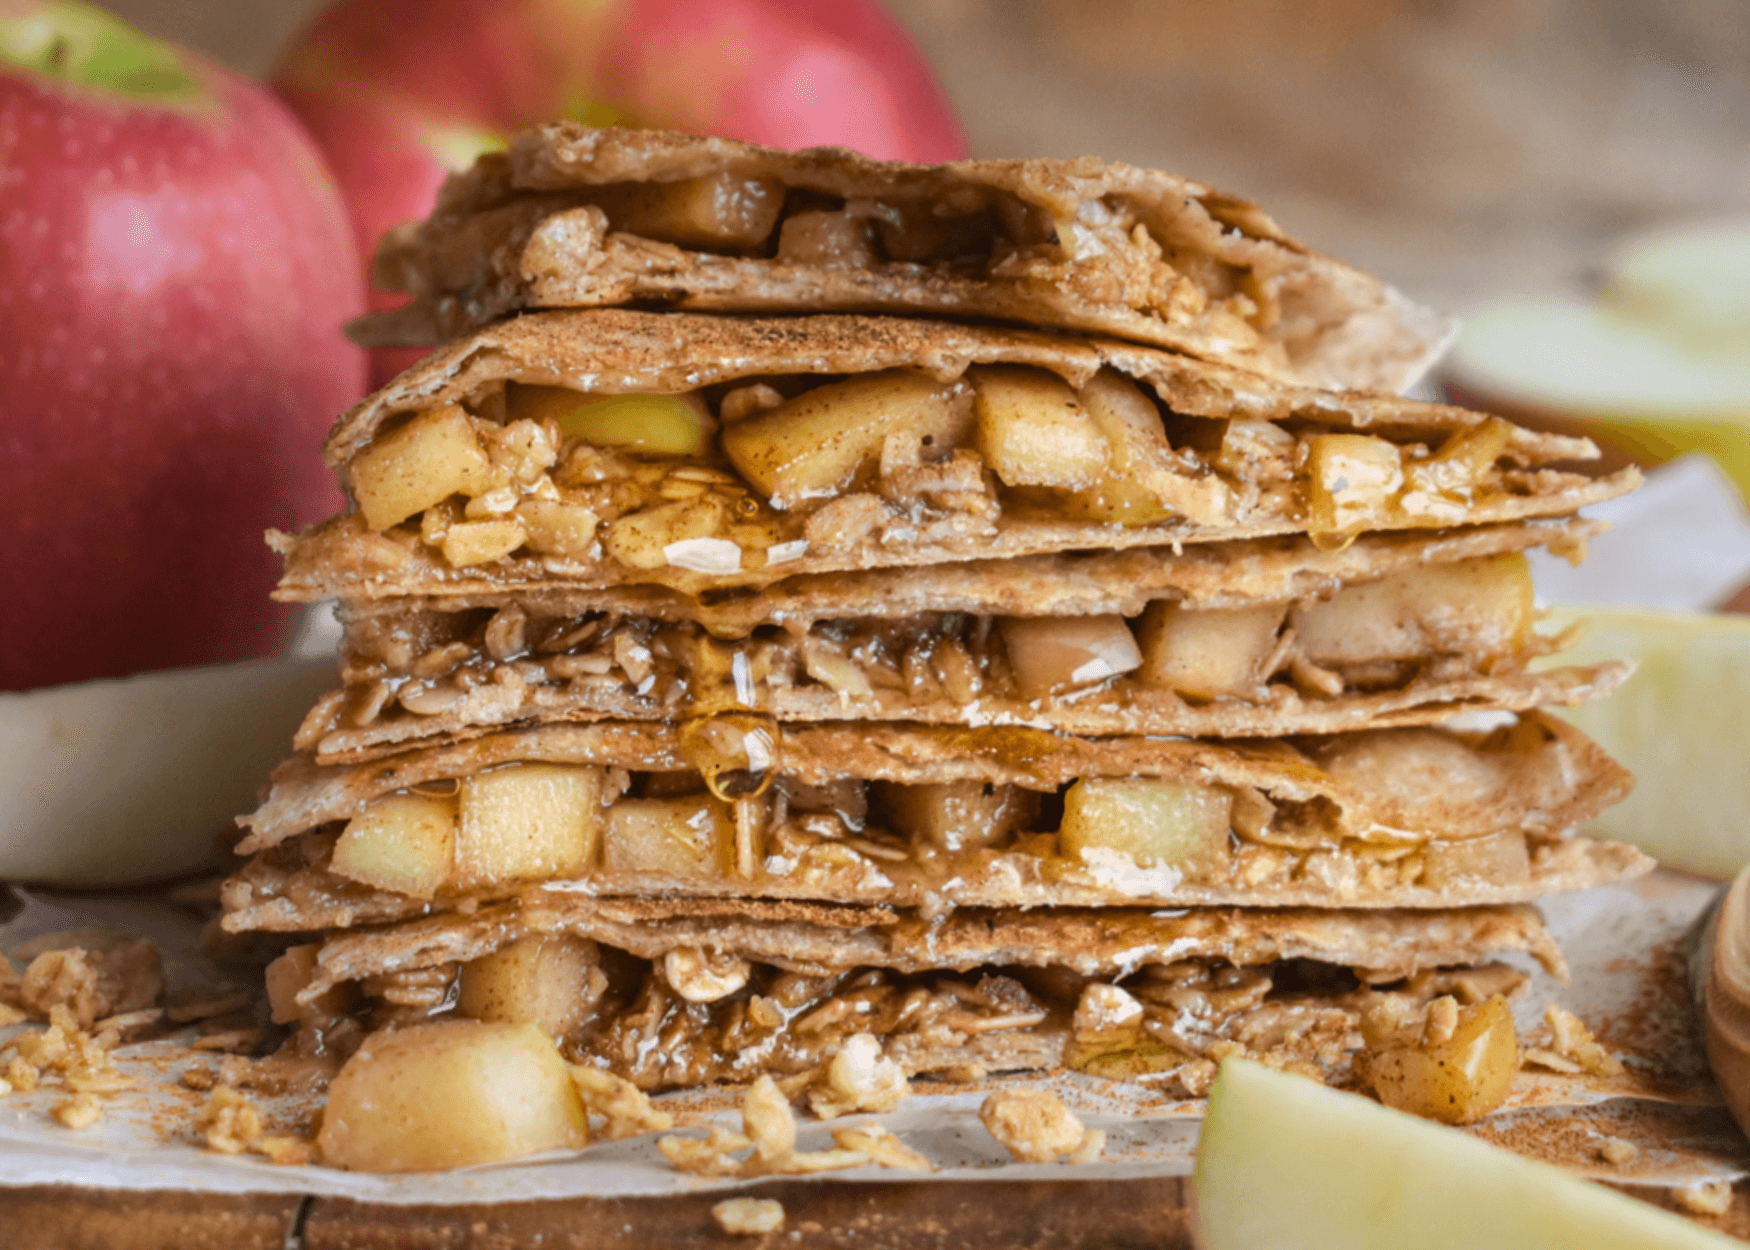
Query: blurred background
x=1463 y=149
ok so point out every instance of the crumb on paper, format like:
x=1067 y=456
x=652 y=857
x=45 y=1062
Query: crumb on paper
x=80 y=1111
x=1706 y=1197
x=88 y=984
x=64 y=1050
x=768 y=1122
x=625 y=1107
x=1616 y=1152
x=1572 y=1049
x=858 y=1078
x=231 y=1125
x=749 y=1217
x=881 y=1147
x=768 y=1131
x=705 y=1156
x=1033 y=1125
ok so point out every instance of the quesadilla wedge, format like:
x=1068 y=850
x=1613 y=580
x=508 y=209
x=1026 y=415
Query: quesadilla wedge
x=738 y=992
x=593 y=448
x=574 y=217
x=1432 y=636
x=931 y=818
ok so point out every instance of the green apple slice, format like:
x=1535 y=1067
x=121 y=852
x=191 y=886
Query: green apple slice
x=1674 y=724
x=663 y=425
x=1285 y=1162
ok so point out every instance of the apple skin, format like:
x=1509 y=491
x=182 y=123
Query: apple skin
x=401 y=92
x=173 y=281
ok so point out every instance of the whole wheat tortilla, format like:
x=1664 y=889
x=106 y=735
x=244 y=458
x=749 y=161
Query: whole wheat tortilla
x=1126 y=709
x=1575 y=778
x=1099 y=942
x=1210 y=575
x=1111 y=249
x=277 y=892
x=612 y=351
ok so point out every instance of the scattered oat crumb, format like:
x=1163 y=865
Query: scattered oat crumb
x=1534 y=1056
x=1706 y=1197
x=11 y=1015
x=228 y=1121
x=286 y=1150
x=705 y=1156
x=882 y=1147
x=21 y=1075
x=858 y=1078
x=626 y=1108
x=749 y=1217
x=1616 y=1152
x=1033 y=1125
x=1572 y=1048
x=79 y=1111
x=1441 y=1022
x=199 y=1078
x=5 y=1087
x=767 y=1120
x=769 y=1130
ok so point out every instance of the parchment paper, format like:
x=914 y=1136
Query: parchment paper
x=1624 y=944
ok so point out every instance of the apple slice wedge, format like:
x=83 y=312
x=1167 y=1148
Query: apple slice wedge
x=1285 y=1162
x=1674 y=724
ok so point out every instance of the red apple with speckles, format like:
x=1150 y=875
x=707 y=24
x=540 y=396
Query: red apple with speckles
x=400 y=92
x=175 y=267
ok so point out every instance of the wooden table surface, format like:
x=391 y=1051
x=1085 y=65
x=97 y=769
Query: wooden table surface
x=821 y=1214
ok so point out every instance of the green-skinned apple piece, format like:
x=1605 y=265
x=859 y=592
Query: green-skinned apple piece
x=1284 y=1163
x=124 y=782
x=1674 y=724
x=662 y=425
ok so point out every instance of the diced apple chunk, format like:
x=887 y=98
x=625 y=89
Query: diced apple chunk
x=467 y=543
x=1052 y=653
x=666 y=425
x=1145 y=481
x=286 y=978
x=1207 y=653
x=527 y=821
x=1483 y=607
x=404 y=843
x=828 y=441
x=1455 y=1075
x=721 y=210
x=547 y=980
x=1499 y=859
x=691 y=838
x=556 y=528
x=824 y=238
x=956 y=815
x=1033 y=431
x=433 y=456
x=1350 y=481
x=641 y=540
x=1153 y=822
x=448 y=1095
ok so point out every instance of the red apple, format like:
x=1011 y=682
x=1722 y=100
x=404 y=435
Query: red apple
x=175 y=266
x=401 y=92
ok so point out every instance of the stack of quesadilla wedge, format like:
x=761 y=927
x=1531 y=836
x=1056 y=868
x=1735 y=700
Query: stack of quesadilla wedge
x=981 y=606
